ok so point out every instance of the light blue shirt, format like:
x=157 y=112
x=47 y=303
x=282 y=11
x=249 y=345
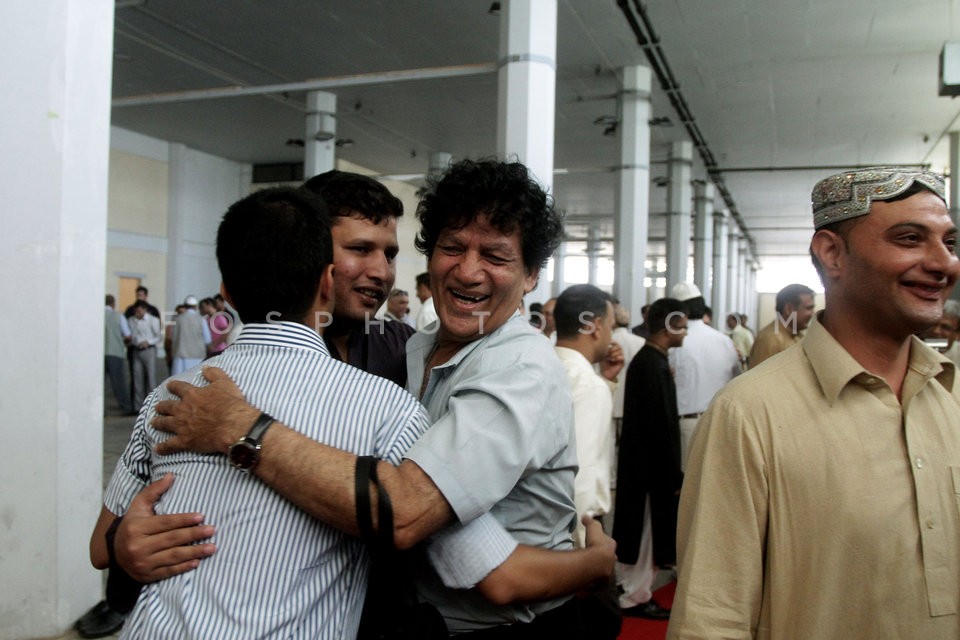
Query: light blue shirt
x=502 y=441
x=278 y=572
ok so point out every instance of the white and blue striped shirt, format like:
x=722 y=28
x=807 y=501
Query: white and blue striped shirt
x=277 y=572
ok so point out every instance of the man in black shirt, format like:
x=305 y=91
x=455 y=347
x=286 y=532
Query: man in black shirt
x=648 y=465
x=364 y=215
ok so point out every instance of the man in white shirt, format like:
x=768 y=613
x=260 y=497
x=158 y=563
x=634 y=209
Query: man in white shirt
x=144 y=337
x=398 y=308
x=702 y=366
x=428 y=313
x=584 y=316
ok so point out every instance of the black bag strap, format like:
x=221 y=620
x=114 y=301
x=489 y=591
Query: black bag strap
x=391 y=610
x=365 y=473
x=362 y=496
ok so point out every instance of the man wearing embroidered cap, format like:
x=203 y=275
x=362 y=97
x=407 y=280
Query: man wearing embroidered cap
x=821 y=496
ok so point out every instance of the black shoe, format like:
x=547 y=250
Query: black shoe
x=100 y=621
x=649 y=609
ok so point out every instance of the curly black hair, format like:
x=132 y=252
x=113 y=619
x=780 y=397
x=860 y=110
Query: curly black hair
x=505 y=193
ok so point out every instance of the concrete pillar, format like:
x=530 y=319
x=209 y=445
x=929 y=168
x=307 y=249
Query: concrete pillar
x=703 y=238
x=743 y=273
x=593 y=253
x=201 y=189
x=319 y=142
x=632 y=203
x=527 y=89
x=55 y=62
x=559 y=276
x=733 y=267
x=718 y=298
x=679 y=204
x=439 y=162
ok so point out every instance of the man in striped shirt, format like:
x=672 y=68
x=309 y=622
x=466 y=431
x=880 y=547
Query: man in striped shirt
x=278 y=572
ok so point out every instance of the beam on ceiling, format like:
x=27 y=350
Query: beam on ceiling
x=382 y=77
x=823 y=167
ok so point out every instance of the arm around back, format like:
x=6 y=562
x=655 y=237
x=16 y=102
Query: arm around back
x=316 y=477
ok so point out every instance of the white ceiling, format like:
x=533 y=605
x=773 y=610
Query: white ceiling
x=781 y=91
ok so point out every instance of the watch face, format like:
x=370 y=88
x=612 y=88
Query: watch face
x=244 y=455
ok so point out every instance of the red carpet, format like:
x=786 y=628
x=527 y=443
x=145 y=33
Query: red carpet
x=643 y=629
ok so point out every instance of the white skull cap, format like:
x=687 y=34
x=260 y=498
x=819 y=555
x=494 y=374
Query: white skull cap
x=685 y=291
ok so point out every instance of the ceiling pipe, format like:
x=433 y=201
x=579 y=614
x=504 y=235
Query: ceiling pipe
x=648 y=41
x=428 y=73
x=823 y=167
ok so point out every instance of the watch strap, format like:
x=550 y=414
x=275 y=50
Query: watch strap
x=259 y=428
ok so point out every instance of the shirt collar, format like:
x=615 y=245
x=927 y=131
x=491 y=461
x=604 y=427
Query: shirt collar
x=422 y=343
x=835 y=368
x=573 y=356
x=282 y=334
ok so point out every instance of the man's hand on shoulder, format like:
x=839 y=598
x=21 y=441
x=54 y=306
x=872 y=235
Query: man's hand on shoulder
x=206 y=419
x=151 y=547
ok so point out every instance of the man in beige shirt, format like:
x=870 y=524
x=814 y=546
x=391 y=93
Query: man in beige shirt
x=741 y=337
x=821 y=498
x=795 y=307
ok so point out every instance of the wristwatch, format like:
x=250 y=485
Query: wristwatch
x=244 y=454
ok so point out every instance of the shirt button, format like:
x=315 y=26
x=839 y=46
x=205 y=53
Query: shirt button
x=930 y=523
x=919 y=462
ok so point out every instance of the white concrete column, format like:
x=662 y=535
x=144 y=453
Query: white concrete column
x=679 y=205
x=201 y=188
x=593 y=253
x=559 y=276
x=632 y=203
x=319 y=142
x=703 y=238
x=733 y=267
x=439 y=162
x=527 y=88
x=752 y=304
x=743 y=273
x=718 y=298
x=55 y=61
